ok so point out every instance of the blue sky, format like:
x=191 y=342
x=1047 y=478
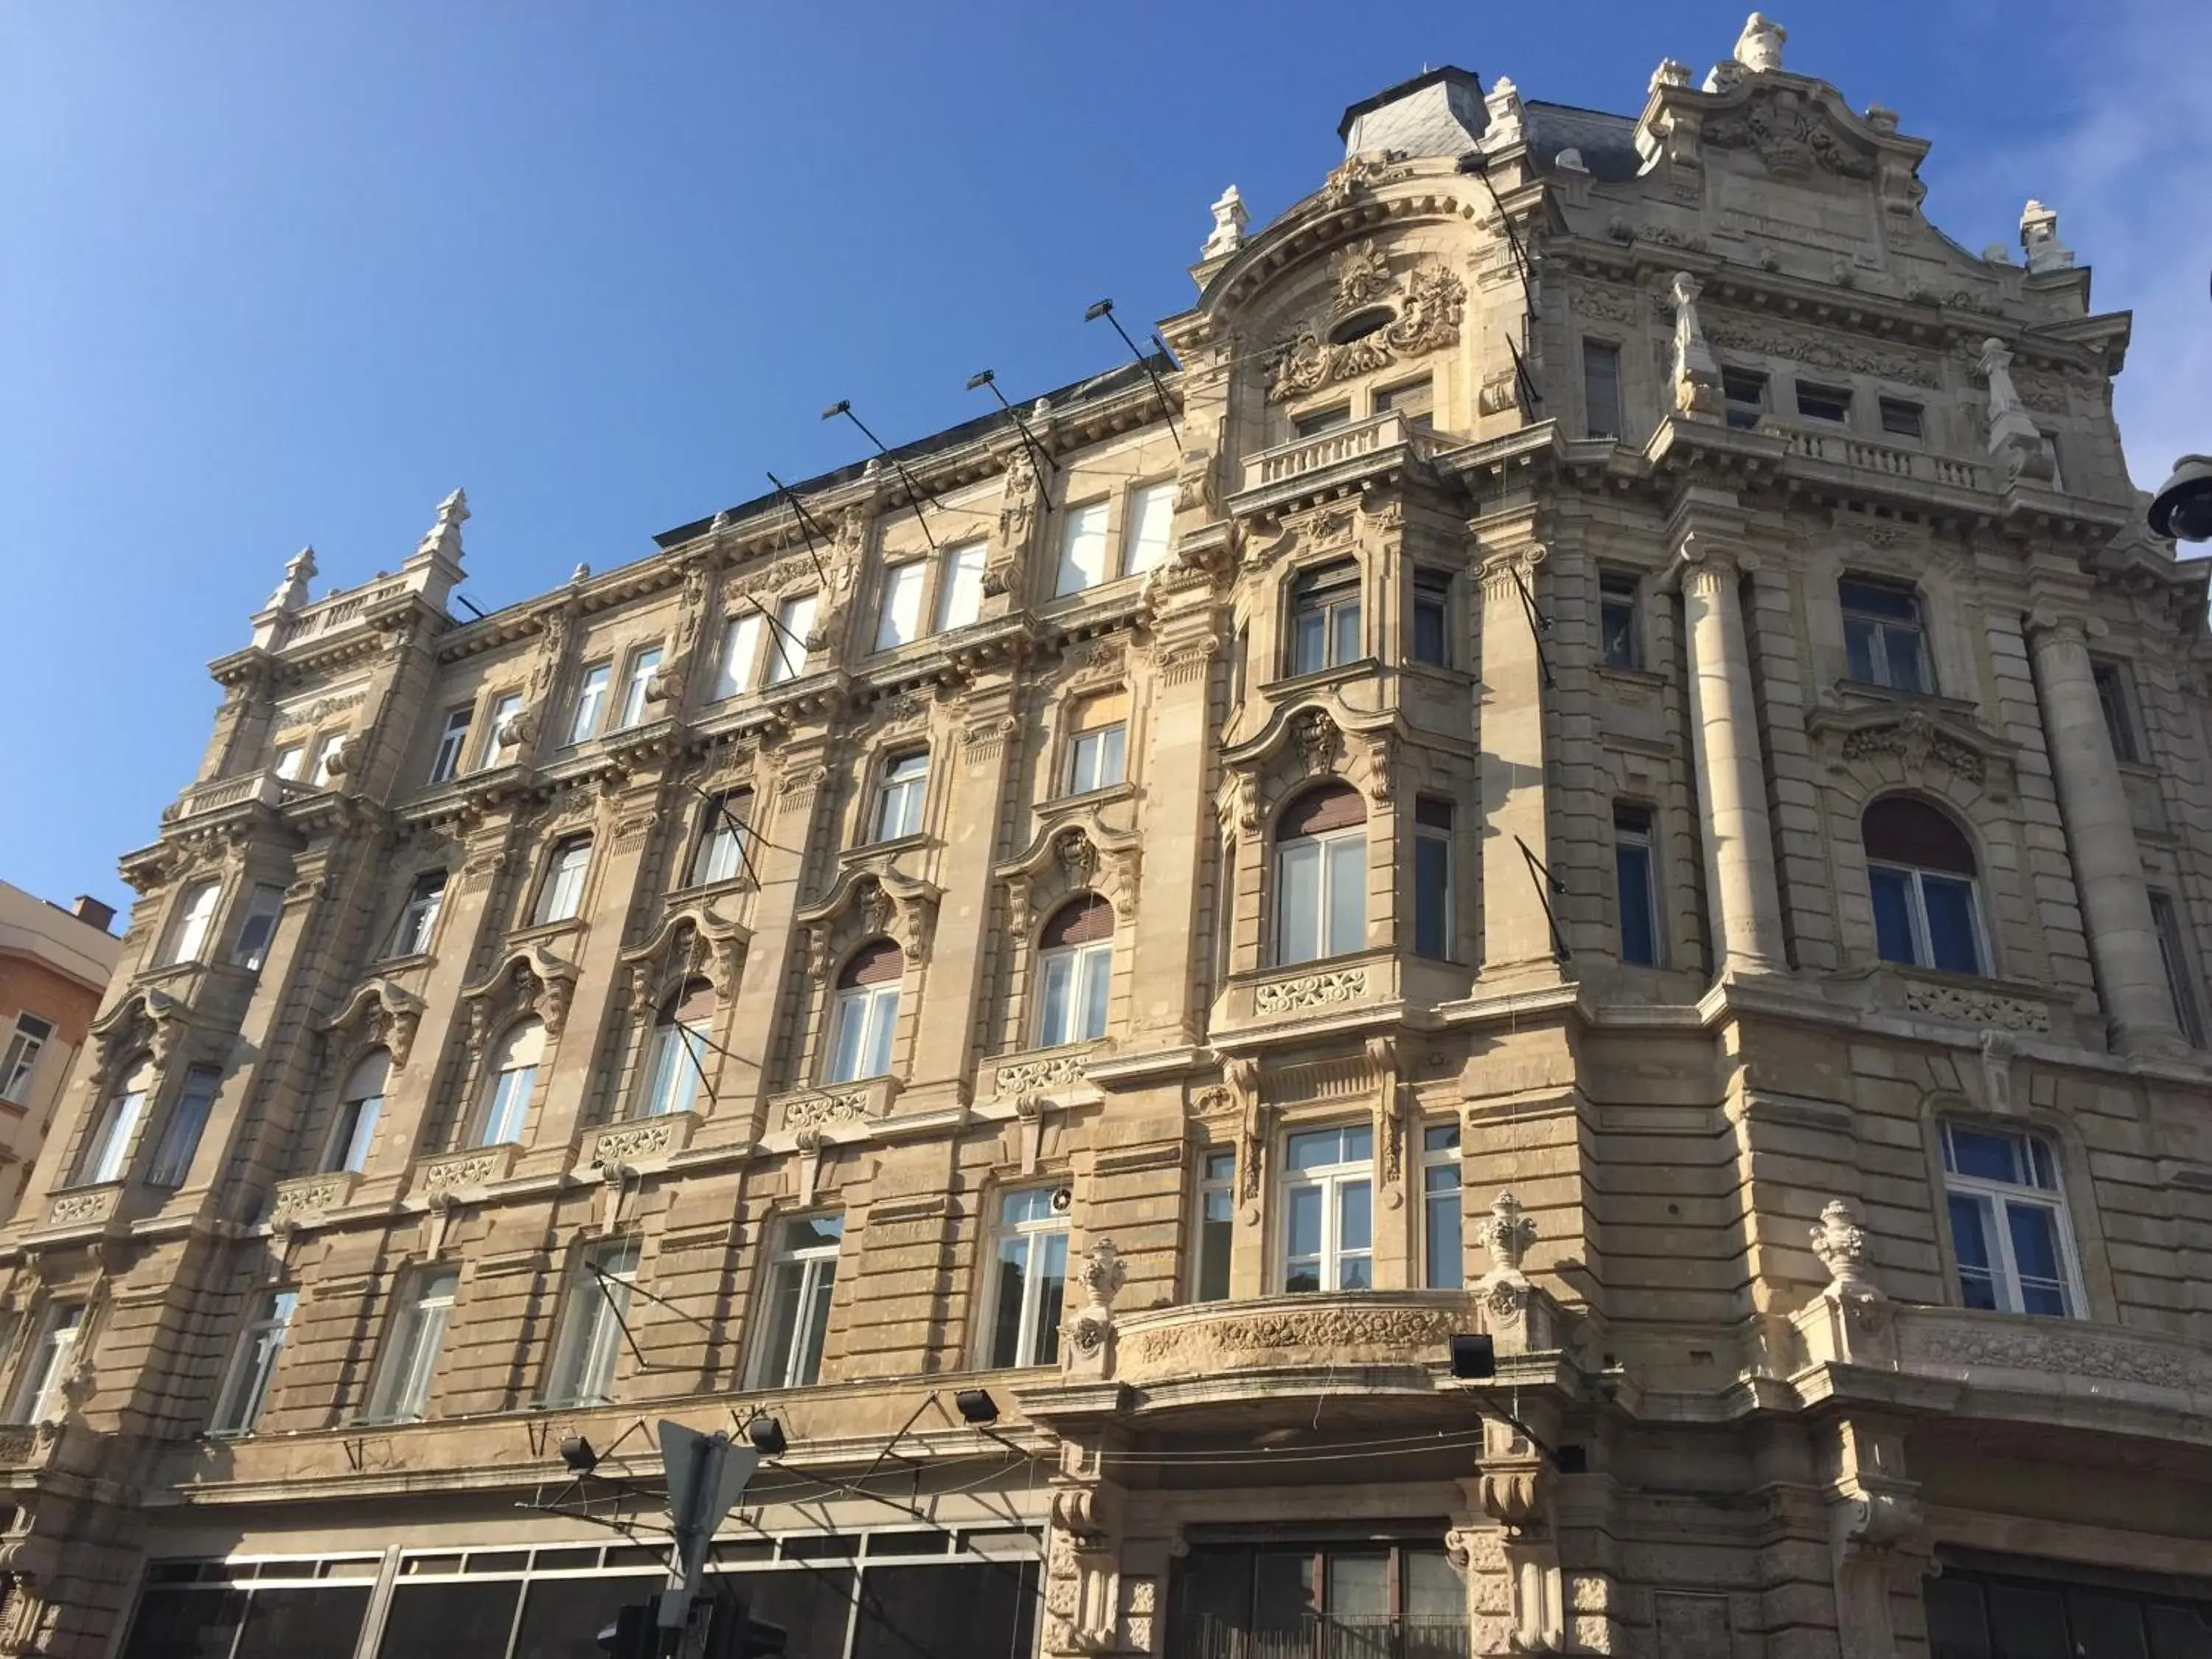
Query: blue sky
x=279 y=274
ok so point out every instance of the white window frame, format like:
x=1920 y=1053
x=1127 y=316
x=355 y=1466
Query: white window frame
x=1923 y=949
x=960 y=588
x=1093 y=754
x=264 y=910
x=561 y=898
x=903 y=608
x=253 y=1369
x=792 y=1360
x=1333 y=1181
x=1436 y=1161
x=591 y=705
x=418 y=916
x=1148 y=506
x=1036 y=1339
x=498 y=731
x=588 y=1348
x=1326 y=591
x=901 y=800
x=106 y=1155
x=19 y=1068
x=1884 y=671
x=319 y=774
x=1326 y=861
x=353 y=1128
x=643 y=665
x=876 y=1008
x=1995 y=1197
x=46 y=1362
x=789 y=650
x=1216 y=1183
x=674 y=1079
x=414 y=1346
x=188 y=1120
x=505 y=1100
x=453 y=740
x=1083 y=541
x=720 y=854
x=738 y=664
x=1088 y=971
x=288 y=759
x=194 y=921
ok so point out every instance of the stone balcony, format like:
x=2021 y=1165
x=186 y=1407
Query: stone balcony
x=83 y=1207
x=649 y=1141
x=1841 y=449
x=305 y=1201
x=464 y=1171
x=1342 y=456
x=1349 y=991
x=263 y=788
x=1215 y=1342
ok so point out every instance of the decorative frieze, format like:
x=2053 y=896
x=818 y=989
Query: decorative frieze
x=303 y=1199
x=1183 y=1342
x=1977 y=1342
x=82 y=1206
x=652 y=1137
x=818 y=1111
x=1972 y=1007
x=461 y=1171
x=1286 y=996
x=1040 y=1075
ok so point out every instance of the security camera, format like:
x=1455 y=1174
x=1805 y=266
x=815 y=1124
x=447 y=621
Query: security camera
x=2182 y=507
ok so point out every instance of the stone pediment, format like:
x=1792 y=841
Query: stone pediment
x=1921 y=736
x=530 y=978
x=1072 y=854
x=692 y=939
x=1795 y=128
x=381 y=1011
x=882 y=899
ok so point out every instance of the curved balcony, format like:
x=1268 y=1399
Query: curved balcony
x=1213 y=1345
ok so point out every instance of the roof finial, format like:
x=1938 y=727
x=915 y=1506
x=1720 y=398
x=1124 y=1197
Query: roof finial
x=291 y=592
x=1230 y=219
x=1506 y=129
x=1759 y=48
x=2038 y=237
x=445 y=536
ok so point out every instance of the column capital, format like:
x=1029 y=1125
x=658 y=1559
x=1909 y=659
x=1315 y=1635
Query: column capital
x=1704 y=559
x=1500 y=567
x=2050 y=620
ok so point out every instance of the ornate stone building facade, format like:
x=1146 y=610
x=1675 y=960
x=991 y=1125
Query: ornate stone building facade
x=1605 y=761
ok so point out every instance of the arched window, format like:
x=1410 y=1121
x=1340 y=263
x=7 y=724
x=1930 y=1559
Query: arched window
x=360 y=1103
x=108 y=1145
x=1321 y=875
x=508 y=1090
x=1075 y=966
x=676 y=1063
x=1920 y=873
x=866 y=1008
x=562 y=894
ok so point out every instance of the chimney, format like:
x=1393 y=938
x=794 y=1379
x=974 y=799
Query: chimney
x=90 y=911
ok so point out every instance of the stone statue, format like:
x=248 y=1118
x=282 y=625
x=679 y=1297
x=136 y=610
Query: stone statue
x=291 y=592
x=1230 y=219
x=2038 y=239
x=444 y=537
x=1505 y=127
x=1671 y=72
x=1697 y=375
x=2013 y=439
x=1759 y=48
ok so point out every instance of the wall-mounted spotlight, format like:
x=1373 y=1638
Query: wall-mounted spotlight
x=1105 y=308
x=576 y=1452
x=985 y=377
x=1474 y=1357
x=976 y=1406
x=768 y=1437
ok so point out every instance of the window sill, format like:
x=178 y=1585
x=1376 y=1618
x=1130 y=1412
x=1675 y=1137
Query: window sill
x=401 y=964
x=1089 y=799
x=703 y=891
x=1651 y=678
x=1459 y=680
x=1292 y=685
x=538 y=932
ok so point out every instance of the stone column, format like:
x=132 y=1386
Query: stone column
x=1744 y=898
x=1516 y=927
x=1179 y=828
x=2092 y=802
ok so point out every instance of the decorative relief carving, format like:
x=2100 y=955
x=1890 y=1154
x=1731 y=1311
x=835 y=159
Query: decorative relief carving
x=1423 y=316
x=472 y=1169
x=1790 y=135
x=820 y=1111
x=1311 y=991
x=656 y=1137
x=1197 y=1343
x=1041 y=1076
x=1915 y=740
x=1317 y=740
x=1967 y=1007
x=2049 y=1352
x=311 y=1195
x=1817 y=351
x=85 y=1203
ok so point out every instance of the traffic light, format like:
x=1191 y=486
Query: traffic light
x=633 y=1635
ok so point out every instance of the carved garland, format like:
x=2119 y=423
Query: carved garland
x=1424 y=310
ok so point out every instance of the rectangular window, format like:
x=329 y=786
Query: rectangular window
x=1987 y=1616
x=1744 y=393
x=1925 y=918
x=418 y=917
x=800 y=1284
x=1416 y=400
x=38 y=1390
x=741 y=639
x=960 y=594
x=1320 y=907
x=1313 y=424
x=1884 y=636
x=1444 y=1255
x=2165 y=916
x=107 y=1148
x=20 y=1062
x=899 y=804
x=675 y=1058
x=1433 y=921
x=637 y=688
x=1617 y=607
x=1286 y=1599
x=2051 y=454
x=1900 y=419
x=2112 y=697
x=1601 y=390
x=181 y=1141
x=1432 y=618
x=591 y=702
x=1029 y=1280
x=563 y=895
x=1636 y=886
x=1072 y=984
x=788 y=657
x=2015 y=1252
x=451 y=741
x=1824 y=402
x=862 y=1023
x=188 y=936
x=592 y=1334
x=725 y=822
x=500 y=737
x=254 y=1367
x=402 y=1393
x=899 y=622
x=1325 y=619
x=288 y=761
x=1145 y=538
x=1328 y=1220
x=326 y=752
x=1217 y=1226
x=1097 y=742
x=1082 y=549
x=263 y=907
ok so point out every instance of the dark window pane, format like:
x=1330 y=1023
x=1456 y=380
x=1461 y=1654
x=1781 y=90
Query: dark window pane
x=987 y=1608
x=1282 y=1589
x=304 y=1624
x=446 y=1617
x=1213 y=1584
x=1429 y=629
x=811 y=1607
x=1892 y=914
x=1601 y=388
x=1432 y=927
x=1955 y=1626
x=1858 y=644
x=561 y=1618
x=2027 y=1624
x=1951 y=941
x=185 y=1624
x=2179 y=1632
x=1632 y=868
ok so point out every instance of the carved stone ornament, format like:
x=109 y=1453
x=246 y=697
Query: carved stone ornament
x=1027 y=1079
x=1696 y=374
x=1423 y=315
x=1507 y=1233
x=1841 y=1244
x=529 y=981
x=1826 y=352
x=1317 y=740
x=380 y=1014
x=1017 y=513
x=1310 y=991
x=1090 y=1332
x=2013 y=439
x=1789 y=133
x=692 y=942
x=1229 y=218
x=1971 y=1008
x=1759 y=48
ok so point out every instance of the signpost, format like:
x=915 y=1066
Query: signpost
x=707 y=1473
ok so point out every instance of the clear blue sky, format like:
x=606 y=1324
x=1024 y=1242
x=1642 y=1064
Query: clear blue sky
x=286 y=273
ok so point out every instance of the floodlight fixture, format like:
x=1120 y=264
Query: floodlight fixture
x=2182 y=507
x=768 y=1437
x=1474 y=1357
x=576 y=1452
x=976 y=1406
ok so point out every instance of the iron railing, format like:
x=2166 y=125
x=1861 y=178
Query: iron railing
x=1319 y=1637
